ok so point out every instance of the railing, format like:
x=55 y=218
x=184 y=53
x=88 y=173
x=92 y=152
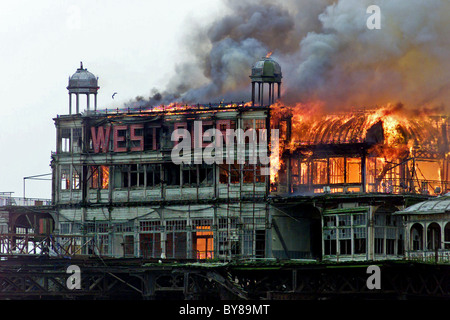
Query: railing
x=19 y=201
x=438 y=256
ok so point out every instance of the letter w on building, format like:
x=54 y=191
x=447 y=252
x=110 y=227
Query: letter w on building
x=100 y=139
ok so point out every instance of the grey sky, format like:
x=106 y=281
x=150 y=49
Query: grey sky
x=132 y=46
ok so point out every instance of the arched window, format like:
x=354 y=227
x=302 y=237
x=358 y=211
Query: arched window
x=447 y=235
x=416 y=237
x=433 y=236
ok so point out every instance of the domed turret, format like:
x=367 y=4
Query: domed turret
x=268 y=71
x=82 y=82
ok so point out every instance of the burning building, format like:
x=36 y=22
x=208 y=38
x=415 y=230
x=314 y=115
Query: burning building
x=334 y=183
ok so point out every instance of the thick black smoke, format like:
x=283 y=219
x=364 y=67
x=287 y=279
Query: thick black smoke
x=326 y=53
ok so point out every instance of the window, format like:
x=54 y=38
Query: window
x=320 y=171
x=229 y=173
x=206 y=174
x=359 y=240
x=345 y=233
x=76 y=173
x=136 y=175
x=172 y=174
x=345 y=241
x=416 y=237
x=353 y=170
x=65 y=177
x=150 y=245
x=103 y=244
x=260 y=176
x=128 y=246
x=151 y=138
x=99 y=177
x=433 y=236
x=202 y=239
x=65 y=139
x=330 y=221
x=337 y=170
x=153 y=175
x=150 y=239
x=149 y=226
x=76 y=140
x=235 y=173
x=379 y=240
x=359 y=219
x=260 y=243
x=447 y=235
x=248 y=173
x=176 y=244
x=329 y=241
x=190 y=175
x=260 y=124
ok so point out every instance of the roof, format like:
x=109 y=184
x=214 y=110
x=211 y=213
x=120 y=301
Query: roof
x=433 y=206
x=83 y=81
x=266 y=70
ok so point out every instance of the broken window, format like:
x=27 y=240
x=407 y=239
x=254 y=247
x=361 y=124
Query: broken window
x=70 y=140
x=136 y=175
x=176 y=244
x=348 y=230
x=433 y=236
x=76 y=140
x=223 y=174
x=150 y=245
x=353 y=170
x=99 y=177
x=416 y=237
x=248 y=173
x=202 y=239
x=429 y=172
x=150 y=239
x=260 y=176
x=206 y=174
x=65 y=177
x=260 y=124
x=103 y=244
x=126 y=176
x=295 y=175
x=229 y=173
x=153 y=175
x=172 y=174
x=190 y=175
x=345 y=242
x=151 y=138
x=320 y=171
x=337 y=170
x=65 y=139
x=260 y=243
x=359 y=240
x=235 y=173
x=76 y=174
x=128 y=246
x=329 y=241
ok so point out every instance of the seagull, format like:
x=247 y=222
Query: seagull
x=114 y=94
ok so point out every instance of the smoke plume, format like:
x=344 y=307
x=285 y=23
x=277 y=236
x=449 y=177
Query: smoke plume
x=326 y=53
